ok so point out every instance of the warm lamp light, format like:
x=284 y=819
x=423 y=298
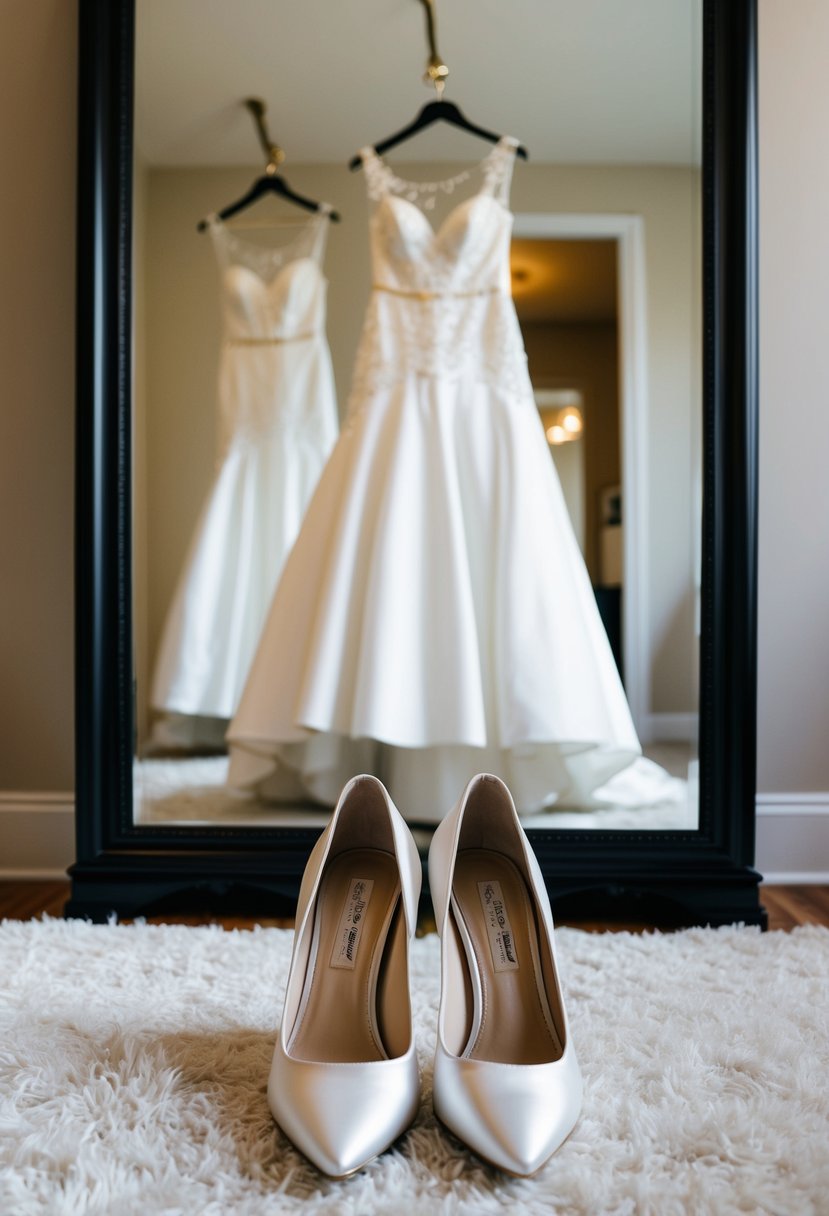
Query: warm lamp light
x=561 y=413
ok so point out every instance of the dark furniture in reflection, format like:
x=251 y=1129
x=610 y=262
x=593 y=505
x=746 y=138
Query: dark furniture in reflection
x=609 y=601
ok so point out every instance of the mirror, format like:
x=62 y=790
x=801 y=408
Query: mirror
x=673 y=875
x=242 y=386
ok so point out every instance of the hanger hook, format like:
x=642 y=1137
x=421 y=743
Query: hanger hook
x=436 y=69
x=273 y=152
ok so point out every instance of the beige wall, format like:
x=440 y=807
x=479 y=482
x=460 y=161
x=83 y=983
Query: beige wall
x=183 y=335
x=37 y=89
x=37 y=299
x=794 y=397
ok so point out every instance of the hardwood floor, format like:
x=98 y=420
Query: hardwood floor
x=790 y=906
x=786 y=906
x=22 y=900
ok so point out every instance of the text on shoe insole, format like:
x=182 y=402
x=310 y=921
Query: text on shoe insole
x=501 y=939
x=352 y=919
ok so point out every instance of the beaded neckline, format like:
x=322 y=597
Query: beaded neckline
x=414 y=190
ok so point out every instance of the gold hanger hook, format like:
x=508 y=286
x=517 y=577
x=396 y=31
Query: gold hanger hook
x=275 y=155
x=436 y=69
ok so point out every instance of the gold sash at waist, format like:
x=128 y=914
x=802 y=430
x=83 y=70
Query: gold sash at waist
x=438 y=295
x=270 y=341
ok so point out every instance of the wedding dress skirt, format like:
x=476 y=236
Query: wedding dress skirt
x=435 y=617
x=279 y=422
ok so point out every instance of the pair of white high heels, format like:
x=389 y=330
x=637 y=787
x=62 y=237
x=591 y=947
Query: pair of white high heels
x=344 y=1082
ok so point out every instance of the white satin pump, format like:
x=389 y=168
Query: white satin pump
x=507 y=1081
x=344 y=1081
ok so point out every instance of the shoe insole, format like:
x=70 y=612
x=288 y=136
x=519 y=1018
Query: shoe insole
x=356 y=899
x=498 y=926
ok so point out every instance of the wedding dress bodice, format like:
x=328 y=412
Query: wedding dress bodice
x=440 y=303
x=273 y=310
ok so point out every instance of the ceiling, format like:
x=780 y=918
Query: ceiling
x=578 y=81
x=563 y=281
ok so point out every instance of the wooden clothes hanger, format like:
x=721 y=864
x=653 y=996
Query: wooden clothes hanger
x=435 y=111
x=271 y=182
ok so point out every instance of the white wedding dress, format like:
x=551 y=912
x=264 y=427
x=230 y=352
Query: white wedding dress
x=278 y=423
x=435 y=618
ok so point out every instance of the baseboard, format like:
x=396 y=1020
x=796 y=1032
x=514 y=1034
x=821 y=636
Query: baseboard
x=37 y=875
x=37 y=834
x=796 y=878
x=670 y=728
x=803 y=803
x=793 y=838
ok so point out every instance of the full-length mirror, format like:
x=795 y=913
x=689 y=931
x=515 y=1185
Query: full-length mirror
x=417 y=471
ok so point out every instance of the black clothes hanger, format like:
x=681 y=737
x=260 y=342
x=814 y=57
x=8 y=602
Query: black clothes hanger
x=436 y=111
x=270 y=182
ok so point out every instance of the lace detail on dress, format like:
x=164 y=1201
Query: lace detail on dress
x=266 y=261
x=496 y=168
x=440 y=306
x=470 y=338
x=381 y=179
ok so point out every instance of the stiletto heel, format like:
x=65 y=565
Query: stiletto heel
x=344 y=1080
x=506 y=1077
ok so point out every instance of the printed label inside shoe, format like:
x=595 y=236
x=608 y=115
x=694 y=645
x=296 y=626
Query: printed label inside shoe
x=501 y=940
x=349 y=930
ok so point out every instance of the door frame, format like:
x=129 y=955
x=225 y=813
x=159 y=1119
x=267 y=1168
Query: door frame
x=628 y=231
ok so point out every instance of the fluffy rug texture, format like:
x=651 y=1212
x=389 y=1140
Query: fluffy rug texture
x=134 y=1060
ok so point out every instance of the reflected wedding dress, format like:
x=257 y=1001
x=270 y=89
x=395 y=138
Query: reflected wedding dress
x=435 y=618
x=278 y=423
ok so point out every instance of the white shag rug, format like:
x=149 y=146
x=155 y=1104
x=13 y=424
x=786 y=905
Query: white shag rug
x=134 y=1060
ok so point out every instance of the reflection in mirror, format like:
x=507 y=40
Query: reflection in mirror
x=408 y=546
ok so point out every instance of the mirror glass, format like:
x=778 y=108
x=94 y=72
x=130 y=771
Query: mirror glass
x=417 y=489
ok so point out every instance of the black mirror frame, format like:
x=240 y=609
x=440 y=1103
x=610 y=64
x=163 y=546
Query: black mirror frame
x=702 y=876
